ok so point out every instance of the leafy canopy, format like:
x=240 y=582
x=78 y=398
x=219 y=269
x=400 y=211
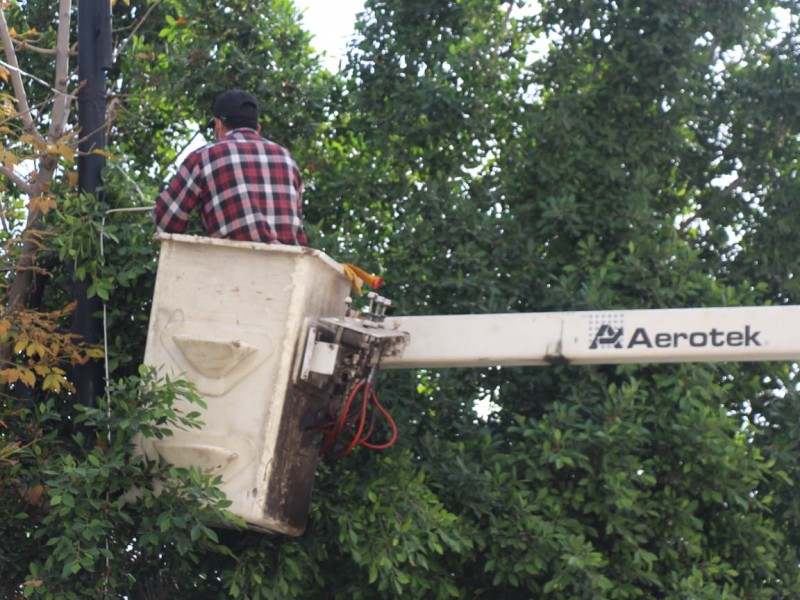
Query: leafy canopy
x=487 y=157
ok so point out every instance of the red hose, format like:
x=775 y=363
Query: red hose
x=345 y=422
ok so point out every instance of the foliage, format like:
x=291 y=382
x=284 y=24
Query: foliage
x=487 y=157
x=581 y=178
x=67 y=494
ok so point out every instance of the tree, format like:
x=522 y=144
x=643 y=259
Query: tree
x=593 y=174
x=67 y=471
x=488 y=157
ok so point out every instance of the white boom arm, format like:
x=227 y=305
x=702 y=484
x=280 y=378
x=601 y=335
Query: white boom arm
x=607 y=337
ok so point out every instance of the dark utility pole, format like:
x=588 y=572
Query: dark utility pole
x=94 y=60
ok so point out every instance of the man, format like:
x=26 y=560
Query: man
x=243 y=186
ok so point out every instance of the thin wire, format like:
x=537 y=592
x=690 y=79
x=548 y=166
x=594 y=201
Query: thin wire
x=105 y=315
x=37 y=80
x=105 y=343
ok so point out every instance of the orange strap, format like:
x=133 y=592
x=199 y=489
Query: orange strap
x=358 y=276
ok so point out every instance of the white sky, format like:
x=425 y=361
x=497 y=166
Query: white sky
x=331 y=23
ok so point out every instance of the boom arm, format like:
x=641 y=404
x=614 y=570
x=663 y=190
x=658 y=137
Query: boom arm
x=607 y=337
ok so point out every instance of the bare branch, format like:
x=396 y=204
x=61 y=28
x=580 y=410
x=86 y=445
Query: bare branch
x=506 y=20
x=122 y=171
x=27 y=46
x=16 y=77
x=62 y=99
x=723 y=195
x=729 y=189
x=17 y=180
x=139 y=23
x=19 y=71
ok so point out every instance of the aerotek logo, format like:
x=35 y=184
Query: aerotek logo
x=609 y=332
x=695 y=339
x=607 y=335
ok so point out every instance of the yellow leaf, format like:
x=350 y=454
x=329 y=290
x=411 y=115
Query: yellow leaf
x=68 y=308
x=94 y=353
x=9 y=376
x=102 y=153
x=27 y=377
x=69 y=135
x=35 y=348
x=12 y=32
x=20 y=344
x=60 y=381
x=61 y=150
x=72 y=178
x=5 y=325
x=52 y=382
x=9 y=159
x=4 y=74
x=42 y=203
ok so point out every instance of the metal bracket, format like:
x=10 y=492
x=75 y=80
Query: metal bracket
x=347 y=349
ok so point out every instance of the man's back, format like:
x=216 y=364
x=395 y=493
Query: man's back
x=243 y=186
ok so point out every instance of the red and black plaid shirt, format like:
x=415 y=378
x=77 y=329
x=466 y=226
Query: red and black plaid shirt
x=244 y=188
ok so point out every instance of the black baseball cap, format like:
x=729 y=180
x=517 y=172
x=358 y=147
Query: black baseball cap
x=236 y=108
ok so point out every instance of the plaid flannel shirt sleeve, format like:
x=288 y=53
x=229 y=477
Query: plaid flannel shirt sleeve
x=174 y=205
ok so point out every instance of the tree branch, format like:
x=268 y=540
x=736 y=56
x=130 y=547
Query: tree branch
x=506 y=20
x=62 y=100
x=724 y=194
x=27 y=46
x=728 y=190
x=16 y=78
x=18 y=181
x=20 y=72
x=21 y=284
x=139 y=23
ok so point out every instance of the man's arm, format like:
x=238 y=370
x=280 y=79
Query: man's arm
x=175 y=204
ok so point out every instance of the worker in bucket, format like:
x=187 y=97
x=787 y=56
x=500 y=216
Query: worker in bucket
x=242 y=186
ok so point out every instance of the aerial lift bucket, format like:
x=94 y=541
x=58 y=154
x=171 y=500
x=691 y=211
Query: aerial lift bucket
x=228 y=316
